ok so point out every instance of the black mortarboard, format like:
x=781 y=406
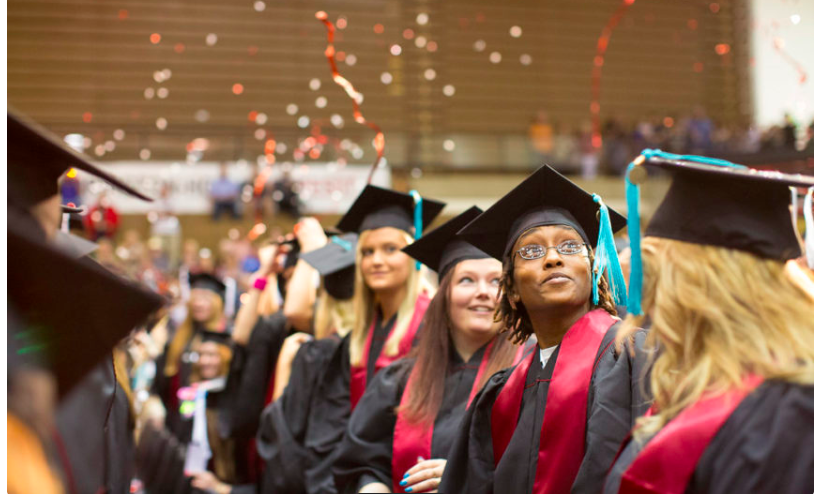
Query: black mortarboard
x=713 y=202
x=735 y=208
x=378 y=208
x=73 y=311
x=545 y=198
x=206 y=281
x=442 y=249
x=36 y=160
x=335 y=262
x=219 y=337
x=70 y=209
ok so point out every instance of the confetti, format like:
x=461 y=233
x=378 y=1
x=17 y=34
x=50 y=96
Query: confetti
x=356 y=97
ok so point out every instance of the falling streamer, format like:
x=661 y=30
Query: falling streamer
x=356 y=97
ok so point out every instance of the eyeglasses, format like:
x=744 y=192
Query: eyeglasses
x=535 y=251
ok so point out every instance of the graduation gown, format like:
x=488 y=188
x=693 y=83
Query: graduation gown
x=95 y=428
x=251 y=377
x=616 y=396
x=763 y=446
x=300 y=432
x=367 y=450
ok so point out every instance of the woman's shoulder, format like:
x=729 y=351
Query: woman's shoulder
x=765 y=445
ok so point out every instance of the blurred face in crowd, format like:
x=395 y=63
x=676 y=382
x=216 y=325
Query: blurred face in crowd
x=473 y=298
x=210 y=361
x=201 y=304
x=556 y=280
x=384 y=266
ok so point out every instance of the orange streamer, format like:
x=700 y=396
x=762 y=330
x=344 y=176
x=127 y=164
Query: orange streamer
x=356 y=97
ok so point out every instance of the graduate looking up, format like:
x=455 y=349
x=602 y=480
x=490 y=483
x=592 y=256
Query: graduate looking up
x=399 y=434
x=297 y=438
x=733 y=381
x=540 y=425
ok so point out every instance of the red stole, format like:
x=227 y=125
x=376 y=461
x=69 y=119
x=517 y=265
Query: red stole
x=667 y=463
x=411 y=440
x=359 y=373
x=564 y=423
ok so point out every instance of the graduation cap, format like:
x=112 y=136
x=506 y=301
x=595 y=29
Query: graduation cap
x=714 y=202
x=335 y=262
x=442 y=249
x=70 y=208
x=72 y=312
x=206 y=281
x=36 y=160
x=219 y=337
x=548 y=198
x=378 y=208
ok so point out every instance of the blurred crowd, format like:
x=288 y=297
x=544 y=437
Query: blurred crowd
x=573 y=150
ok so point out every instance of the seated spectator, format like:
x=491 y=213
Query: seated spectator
x=224 y=194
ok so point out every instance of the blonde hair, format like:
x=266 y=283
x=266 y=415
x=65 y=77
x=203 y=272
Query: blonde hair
x=332 y=315
x=717 y=315
x=185 y=332
x=363 y=303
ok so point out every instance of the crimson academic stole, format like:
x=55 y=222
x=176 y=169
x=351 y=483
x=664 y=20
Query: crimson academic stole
x=359 y=373
x=667 y=463
x=564 y=423
x=412 y=440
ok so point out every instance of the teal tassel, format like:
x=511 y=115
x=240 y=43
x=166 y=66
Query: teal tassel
x=656 y=153
x=346 y=245
x=632 y=199
x=606 y=260
x=417 y=219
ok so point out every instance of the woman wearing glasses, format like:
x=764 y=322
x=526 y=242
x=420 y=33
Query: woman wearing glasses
x=556 y=419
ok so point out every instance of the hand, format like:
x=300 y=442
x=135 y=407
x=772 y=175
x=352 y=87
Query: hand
x=291 y=345
x=377 y=487
x=267 y=256
x=424 y=476
x=310 y=234
x=208 y=482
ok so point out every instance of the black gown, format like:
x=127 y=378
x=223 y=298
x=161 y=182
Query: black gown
x=765 y=446
x=96 y=428
x=617 y=396
x=166 y=387
x=250 y=373
x=366 y=452
x=299 y=433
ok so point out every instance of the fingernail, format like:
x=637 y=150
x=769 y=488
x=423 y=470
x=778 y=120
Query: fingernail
x=406 y=476
x=409 y=489
x=403 y=483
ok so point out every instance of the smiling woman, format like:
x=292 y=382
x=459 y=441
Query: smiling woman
x=413 y=408
x=552 y=287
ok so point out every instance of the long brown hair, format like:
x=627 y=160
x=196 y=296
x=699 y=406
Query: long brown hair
x=433 y=357
x=516 y=319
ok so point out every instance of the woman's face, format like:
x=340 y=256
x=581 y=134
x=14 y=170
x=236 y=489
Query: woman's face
x=384 y=266
x=209 y=360
x=474 y=298
x=555 y=280
x=201 y=306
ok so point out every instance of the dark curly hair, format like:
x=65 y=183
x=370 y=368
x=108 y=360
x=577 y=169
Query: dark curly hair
x=516 y=320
